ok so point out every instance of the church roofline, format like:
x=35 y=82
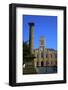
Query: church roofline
x=50 y=49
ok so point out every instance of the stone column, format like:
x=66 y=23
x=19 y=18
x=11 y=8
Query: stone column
x=31 y=37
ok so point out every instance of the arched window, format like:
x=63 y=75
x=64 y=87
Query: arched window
x=42 y=64
x=37 y=64
x=55 y=63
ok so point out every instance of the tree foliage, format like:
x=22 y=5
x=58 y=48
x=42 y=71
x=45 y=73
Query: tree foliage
x=27 y=56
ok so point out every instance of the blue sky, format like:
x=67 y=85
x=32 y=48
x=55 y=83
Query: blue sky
x=44 y=26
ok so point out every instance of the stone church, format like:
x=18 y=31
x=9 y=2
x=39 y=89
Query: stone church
x=43 y=56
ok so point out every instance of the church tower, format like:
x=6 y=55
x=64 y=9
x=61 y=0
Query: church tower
x=42 y=43
x=42 y=47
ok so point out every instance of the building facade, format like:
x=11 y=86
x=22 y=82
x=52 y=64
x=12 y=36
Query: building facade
x=48 y=57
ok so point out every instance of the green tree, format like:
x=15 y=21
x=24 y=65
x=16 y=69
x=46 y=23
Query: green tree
x=27 y=56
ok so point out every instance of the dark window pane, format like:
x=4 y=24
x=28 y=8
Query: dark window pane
x=42 y=64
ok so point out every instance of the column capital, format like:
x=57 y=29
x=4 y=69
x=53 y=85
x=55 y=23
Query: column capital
x=31 y=23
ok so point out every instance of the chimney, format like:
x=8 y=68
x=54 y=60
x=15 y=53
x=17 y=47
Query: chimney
x=31 y=37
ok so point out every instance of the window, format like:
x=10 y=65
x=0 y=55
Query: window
x=42 y=55
x=56 y=63
x=37 y=63
x=42 y=64
x=47 y=63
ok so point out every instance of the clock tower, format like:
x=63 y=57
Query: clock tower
x=42 y=43
x=42 y=47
